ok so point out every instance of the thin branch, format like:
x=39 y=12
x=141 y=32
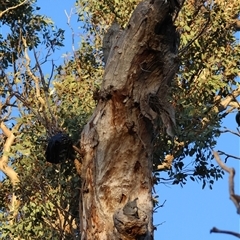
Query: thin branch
x=40 y=70
x=226 y=101
x=68 y=23
x=51 y=75
x=43 y=103
x=37 y=86
x=228 y=155
x=24 y=101
x=216 y=230
x=160 y=206
x=183 y=50
x=230 y=131
x=235 y=198
x=3 y=107
x=73 y=41
x=222 y=105
x=45 y=89
x=11 y=8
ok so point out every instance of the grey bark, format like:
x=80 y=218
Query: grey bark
x=110 y=38
x=117 y=140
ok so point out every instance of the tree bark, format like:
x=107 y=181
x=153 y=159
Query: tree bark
x=118 y=139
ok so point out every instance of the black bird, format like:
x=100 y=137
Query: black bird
x=59 y=148
x=238 y=118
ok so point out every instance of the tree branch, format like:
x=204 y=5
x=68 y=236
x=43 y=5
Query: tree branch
x=37 y=86
x=43 y=104
x=216 y=230
x=11 y=8
x=184 y=49
x=45 y=89
x=230 y=131
x=226 y=101
x=4 y=159
x=228 y=155
x=235 y=198
x=221 y=105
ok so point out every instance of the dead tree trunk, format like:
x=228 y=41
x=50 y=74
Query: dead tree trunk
x=117 y=140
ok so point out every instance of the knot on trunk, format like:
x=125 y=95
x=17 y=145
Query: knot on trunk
x=131 y=224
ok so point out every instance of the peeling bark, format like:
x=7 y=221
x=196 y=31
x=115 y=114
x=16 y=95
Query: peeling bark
x=117 y=140
x=9 y=171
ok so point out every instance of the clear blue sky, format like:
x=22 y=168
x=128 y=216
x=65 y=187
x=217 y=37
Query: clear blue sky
x=190 y=212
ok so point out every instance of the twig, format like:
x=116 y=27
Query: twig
x=73 y=40
x=160 y=206
x=51 y=75
x=39 y=69
x=36 y=81
x=155 y=226
x=45 y=89
x=181 y=51
x=43 y=103
x=228 y=155
x=230 y=131
x=216 y=230
x=68 y=23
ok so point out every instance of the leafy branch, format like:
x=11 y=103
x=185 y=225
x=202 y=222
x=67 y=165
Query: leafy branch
x=12 y=8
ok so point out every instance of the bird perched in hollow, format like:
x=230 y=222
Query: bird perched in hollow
x=238 y=118
x=131 y=209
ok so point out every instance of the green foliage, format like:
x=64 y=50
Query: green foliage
x=47 y=193
x=207 y=75
x=47 y=196
x=24 y=23
x=74 y=85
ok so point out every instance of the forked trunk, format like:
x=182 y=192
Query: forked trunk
x=117 y=140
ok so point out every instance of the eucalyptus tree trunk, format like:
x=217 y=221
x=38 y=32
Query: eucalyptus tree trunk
x=117 y=140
